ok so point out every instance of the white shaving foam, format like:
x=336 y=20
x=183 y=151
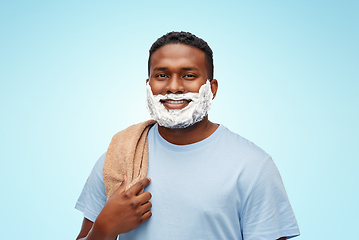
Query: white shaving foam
x=194 y=112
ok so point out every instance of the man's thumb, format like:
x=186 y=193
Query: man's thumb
x=122 y=187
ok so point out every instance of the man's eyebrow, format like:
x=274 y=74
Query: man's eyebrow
x=184 y=68
x=160 y=68
x=189 y=68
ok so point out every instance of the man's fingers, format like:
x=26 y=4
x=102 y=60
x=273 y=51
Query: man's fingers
x=146 y=216
x=135 y=189
x=146 y=207
x=144 y=197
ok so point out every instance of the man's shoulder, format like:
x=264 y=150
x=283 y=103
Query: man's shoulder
x=241 y=144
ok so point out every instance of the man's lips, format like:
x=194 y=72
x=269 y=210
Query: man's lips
x=175 y=104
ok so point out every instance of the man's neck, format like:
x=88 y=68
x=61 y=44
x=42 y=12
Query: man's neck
x=189 y=135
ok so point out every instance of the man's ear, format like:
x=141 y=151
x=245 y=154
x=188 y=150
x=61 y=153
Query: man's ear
x=214 y=87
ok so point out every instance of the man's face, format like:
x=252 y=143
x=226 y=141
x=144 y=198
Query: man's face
x=178 y=69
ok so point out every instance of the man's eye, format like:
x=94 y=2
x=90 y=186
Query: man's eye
x=189 y=76
x=161 y=76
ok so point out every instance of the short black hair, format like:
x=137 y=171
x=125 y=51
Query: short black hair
x=188 y=39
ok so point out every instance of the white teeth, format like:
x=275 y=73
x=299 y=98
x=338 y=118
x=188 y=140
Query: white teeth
x=175 y=101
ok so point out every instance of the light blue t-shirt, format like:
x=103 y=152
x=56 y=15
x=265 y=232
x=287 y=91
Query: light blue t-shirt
x=223 y=187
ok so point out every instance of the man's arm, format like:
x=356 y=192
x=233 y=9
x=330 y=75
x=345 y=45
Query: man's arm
x=123 y=212
x=267 y=213
x=85 y=228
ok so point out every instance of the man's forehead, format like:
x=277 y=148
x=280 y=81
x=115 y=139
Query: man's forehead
x=179 y=54
x=178 y=49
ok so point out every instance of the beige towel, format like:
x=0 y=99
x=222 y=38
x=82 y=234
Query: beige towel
x=127 y=155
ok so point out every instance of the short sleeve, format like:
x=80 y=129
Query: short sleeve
x=267 y=212
x=93 y=196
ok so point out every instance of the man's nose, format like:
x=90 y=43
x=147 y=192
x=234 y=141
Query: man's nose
x=175 y=85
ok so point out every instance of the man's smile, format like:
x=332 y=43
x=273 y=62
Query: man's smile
x=175 y=104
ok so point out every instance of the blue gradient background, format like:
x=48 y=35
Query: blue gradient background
x=73 y=74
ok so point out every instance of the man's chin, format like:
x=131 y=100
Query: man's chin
x=177 y=127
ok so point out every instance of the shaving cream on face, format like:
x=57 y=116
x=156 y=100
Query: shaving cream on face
x=194 y=112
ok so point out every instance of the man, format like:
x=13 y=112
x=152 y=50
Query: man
x=206 y=182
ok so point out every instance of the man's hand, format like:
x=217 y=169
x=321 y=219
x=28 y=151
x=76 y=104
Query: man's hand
x=123 y=212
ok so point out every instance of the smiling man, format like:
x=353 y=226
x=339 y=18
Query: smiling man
x=204 y=182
